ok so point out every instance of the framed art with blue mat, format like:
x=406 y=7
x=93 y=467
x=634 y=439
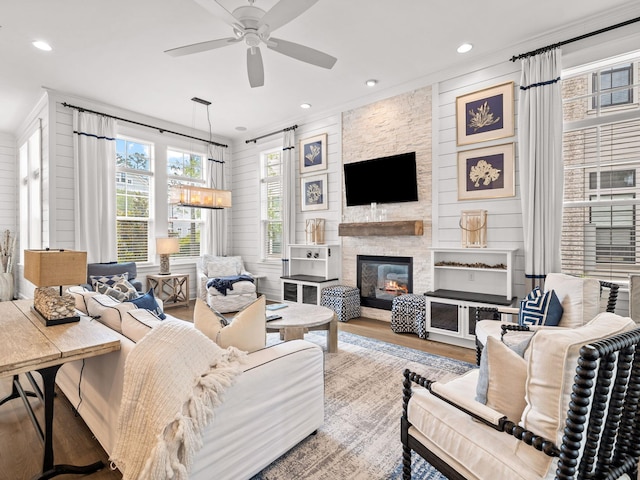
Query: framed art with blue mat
x=486 y=114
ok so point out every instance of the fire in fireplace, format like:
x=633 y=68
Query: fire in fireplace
x=382 y=278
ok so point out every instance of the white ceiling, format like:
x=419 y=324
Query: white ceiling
x=112 y=52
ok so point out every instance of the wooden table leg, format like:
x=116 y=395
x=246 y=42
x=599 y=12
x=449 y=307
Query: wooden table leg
x=332 y=336
x=293 y=333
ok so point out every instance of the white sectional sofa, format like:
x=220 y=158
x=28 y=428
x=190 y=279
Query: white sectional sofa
x=275 y=403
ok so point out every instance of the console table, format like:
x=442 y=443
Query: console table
x=28 y=345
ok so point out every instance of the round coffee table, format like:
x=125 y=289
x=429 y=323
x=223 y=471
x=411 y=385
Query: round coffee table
x=298 y=318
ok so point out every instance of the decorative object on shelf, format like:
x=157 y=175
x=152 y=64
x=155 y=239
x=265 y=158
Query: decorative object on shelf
x=165 y=246
x=485 y=115
x=313 y=154
x=314 y=192
x=48 y=268
x=486 y=173
x=199 y=197
x=474 y=228
x=497 y=266
x=314 y=231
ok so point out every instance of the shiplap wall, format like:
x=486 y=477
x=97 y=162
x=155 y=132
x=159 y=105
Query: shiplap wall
x=245 y=221
x=8 y=183
x=504 y=222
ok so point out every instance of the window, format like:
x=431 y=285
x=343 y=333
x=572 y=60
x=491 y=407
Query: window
x=610 y=83
x=133 y=197
x=601 y=148
x=185 y=222
x=271 y=204
x=30 y=196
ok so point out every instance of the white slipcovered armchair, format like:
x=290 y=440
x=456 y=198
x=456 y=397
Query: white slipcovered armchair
x=218 y=270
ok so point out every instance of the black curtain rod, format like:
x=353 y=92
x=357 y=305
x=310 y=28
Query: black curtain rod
x=255 y=140
x=575 y=39
x=161 y=130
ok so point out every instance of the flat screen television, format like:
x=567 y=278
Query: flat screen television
x=382 y=180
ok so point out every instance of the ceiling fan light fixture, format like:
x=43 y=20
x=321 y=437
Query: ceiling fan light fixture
x=464 y=48
x=371 y=82
x=305 y=105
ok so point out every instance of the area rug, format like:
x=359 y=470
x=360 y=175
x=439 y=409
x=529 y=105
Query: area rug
x=360 y=437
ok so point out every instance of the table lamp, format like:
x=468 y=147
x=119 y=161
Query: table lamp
x=49 y=268
x=165 y=246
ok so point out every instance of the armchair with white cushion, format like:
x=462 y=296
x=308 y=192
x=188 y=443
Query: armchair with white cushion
x=224 y=284
x=566 y=407
x=579 y=297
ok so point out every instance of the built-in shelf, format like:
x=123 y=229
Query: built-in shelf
x=381 y=229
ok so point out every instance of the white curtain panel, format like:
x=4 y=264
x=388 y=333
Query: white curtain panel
x=94 y=156
x=214 y=232
x=541 y=168
x=289 y=196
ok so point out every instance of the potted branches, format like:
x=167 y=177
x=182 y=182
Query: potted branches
x=7 y=250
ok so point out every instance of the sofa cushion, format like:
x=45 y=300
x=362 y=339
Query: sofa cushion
x=246 y=331
x=580 y=298
x=550 y=375
x=137 y=323
x=540 y=308
x=223 y=266
x=502 y=378
x=148 y=302
x=108 y=310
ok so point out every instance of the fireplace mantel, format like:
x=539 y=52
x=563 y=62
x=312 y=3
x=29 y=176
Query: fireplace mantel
x=381 y=229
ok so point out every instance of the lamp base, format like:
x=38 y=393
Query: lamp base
x=55 y=321
x=165 y=268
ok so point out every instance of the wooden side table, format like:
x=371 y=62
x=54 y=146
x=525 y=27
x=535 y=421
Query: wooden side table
x=30 y=346
x=172 y=289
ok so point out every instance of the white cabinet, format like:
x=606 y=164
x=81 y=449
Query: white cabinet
x=464 y=279
x=311 y=268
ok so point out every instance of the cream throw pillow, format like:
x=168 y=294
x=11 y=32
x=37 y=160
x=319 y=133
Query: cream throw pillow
x=246 y=331
x=503 y=375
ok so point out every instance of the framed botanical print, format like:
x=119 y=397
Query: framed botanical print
x=313 y=154
x=487 y=172
x=485 y=115
x=313 y=192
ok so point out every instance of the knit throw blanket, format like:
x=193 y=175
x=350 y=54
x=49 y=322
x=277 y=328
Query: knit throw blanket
x=173 y=380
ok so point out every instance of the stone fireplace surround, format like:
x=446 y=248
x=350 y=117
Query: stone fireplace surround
x=387 y=127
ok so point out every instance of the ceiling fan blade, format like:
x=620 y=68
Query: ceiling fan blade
x=283 y=12
x=219 y=11
x=255 y=69
x=302 y=53
x=201 y=47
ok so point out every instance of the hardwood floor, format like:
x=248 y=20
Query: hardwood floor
x=21 y=452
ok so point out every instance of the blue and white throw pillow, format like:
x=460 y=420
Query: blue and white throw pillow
x=112 y=292
x=540 y=308
x=148 y=302
x=108 y=280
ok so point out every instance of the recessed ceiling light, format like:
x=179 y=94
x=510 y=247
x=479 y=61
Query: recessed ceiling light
x=464 y=48
x=39 y=44
x=241 y=129
x=305 y=105
x=371 y=83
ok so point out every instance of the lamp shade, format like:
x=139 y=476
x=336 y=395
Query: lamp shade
x=200 y=197
x=167 y=245
x=48 y=268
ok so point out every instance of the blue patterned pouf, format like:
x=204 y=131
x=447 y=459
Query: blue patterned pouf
x=343 y=300
x=409 y=314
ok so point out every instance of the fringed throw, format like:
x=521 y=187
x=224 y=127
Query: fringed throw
x=173 y=380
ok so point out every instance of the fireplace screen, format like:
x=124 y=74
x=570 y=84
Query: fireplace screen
x=382 y=278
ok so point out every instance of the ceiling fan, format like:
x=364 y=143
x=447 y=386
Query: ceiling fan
x=254 y=26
